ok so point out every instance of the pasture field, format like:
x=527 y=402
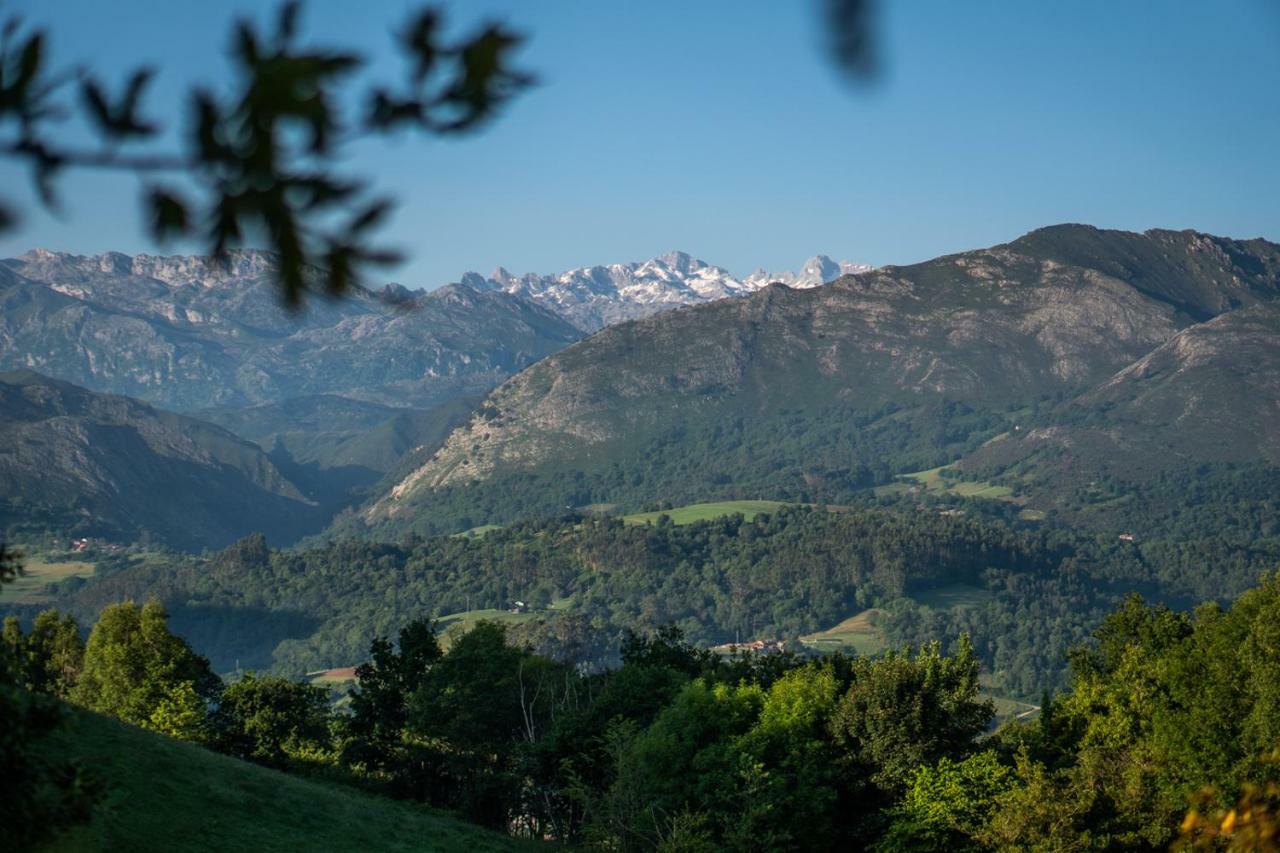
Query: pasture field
x=933 y=482
x=476 y=532
x=705 y=511
x=457 y=624
x=858 y=634
x=164 y=794
x=30 y=587
x=861 y=634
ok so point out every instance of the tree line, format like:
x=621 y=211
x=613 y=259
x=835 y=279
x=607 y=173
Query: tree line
x=1167 y=734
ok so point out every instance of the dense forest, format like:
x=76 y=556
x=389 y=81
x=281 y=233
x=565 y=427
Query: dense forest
x=1166 y=734
x=1028 y=594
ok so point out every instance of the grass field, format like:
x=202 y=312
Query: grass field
x=29 y=588
x=702 y=512
x=934 y=483
x=859 y=634
x=457 y=624
x=166 y=795
x=479 y=531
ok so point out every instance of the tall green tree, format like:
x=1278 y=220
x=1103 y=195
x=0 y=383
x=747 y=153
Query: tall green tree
x=134 y=666
x=48 y=658
x=380 y=703
x=273 y=720
x=1162 y=709
x=903 y=711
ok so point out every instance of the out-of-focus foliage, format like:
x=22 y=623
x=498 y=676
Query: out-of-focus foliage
x=258 y=160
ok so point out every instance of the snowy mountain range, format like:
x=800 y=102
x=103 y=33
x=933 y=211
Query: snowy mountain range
x=594 y=297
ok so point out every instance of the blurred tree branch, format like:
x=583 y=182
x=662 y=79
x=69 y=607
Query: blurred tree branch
x=260 y=162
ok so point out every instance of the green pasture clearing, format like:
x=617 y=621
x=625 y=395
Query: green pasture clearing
x=705 y=511
x=476 y=532
x=164 y=794
x=934 y=483
x=29 y=588
x=457 y=624
x=859 y=634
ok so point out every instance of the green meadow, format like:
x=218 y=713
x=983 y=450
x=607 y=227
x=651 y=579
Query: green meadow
x=706 y=511
x=38 y=573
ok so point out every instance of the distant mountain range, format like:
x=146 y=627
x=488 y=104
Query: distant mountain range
x=336 y=395
x=1166 y=339
x=190 y=334
x=594 y=297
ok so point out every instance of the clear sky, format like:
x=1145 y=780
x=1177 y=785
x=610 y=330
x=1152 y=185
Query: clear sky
x=721 y=128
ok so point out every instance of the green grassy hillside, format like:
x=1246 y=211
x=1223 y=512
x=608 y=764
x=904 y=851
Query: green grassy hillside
x=705 y=511
x=167 y=795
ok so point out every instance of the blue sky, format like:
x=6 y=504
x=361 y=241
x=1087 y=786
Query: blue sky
x=721 y=128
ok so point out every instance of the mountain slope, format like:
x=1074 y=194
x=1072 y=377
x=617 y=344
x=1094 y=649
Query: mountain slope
x=113 y=466
x=595 y=297
x=189 y=333
x=168 y=795
x=1049 y=315
x=1210 y=395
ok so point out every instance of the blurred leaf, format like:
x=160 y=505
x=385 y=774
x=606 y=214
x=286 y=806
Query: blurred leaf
x=121 y=119
x=371 y=216
x=8 y=217
x=169 y=216
x=419 y=41
x=850 y=26
x=287 y=28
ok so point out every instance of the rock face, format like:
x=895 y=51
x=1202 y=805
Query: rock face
x=189 y=333
x=111 y=466
x=595 y=297
x=1053 y=314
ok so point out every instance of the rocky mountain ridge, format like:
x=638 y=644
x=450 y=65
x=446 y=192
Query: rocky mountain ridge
x=191 y=333
x=599 y=296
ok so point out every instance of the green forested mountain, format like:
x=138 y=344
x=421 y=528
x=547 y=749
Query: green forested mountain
x=817 y=394
x=102 y=465
x=1205 y=403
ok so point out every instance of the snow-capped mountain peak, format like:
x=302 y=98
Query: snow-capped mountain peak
x=599 y=296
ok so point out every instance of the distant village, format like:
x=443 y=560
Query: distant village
x=80 y=545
